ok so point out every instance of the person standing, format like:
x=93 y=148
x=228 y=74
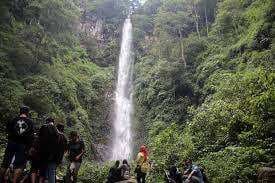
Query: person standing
x=48 y=142
x=20 y=134
x=62 y=147
x=143 y=165
x=34 y=157
x=76 y=149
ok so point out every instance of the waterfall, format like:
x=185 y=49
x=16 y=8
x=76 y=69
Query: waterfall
x=123 y=98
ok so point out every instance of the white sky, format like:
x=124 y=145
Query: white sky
x=142 y=1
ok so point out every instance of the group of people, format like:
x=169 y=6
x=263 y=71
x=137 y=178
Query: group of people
x=44 y=149
x=191 y=174
x=119 y=173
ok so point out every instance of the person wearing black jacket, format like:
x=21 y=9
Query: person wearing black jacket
x=62 y=143
x=114 y=173
x=20 y=134
x=174 y=175
x=48 y=145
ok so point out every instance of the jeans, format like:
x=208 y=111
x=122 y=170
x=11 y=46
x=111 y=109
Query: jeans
x=51 y=170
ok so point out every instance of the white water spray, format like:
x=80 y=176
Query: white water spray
x=123 y=101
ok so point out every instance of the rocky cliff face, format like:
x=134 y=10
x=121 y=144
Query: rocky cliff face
x=102 y=48
x=92 y=27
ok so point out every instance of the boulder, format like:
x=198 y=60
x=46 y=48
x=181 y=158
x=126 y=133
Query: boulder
x=266 y=175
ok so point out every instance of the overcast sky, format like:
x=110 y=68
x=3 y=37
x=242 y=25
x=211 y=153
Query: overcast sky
x=142 y=1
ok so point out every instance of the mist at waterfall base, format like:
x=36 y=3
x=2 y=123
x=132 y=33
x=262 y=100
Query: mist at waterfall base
x=122 y=139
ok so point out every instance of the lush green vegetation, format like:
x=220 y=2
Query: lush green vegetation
x=47 y=65
x=204 y=85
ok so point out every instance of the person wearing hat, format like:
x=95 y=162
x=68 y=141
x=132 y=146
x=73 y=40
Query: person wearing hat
x=20 y=132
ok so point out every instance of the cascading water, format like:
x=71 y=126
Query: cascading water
x=123 y=97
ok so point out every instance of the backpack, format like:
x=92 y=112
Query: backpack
x=125 y=171
x=145 y=167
